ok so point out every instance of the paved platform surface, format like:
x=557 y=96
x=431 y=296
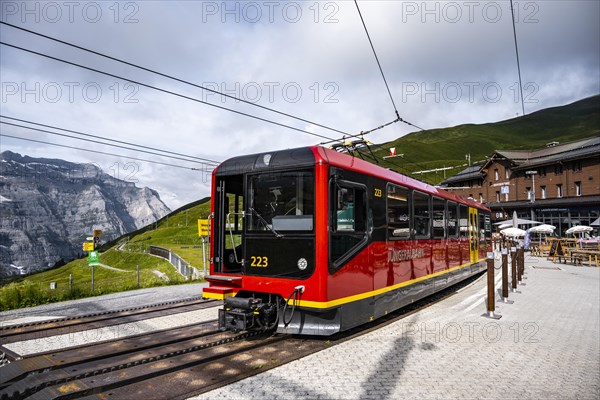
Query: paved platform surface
x=545 y=346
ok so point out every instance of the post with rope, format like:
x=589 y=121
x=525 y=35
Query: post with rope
x=491 y=302
x=513 y=263
x=522 y=263
x=505 y=277
x=520 y=266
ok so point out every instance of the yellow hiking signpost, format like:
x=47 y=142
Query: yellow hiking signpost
x=204 y=233
x=203 y=228
x=88 y=246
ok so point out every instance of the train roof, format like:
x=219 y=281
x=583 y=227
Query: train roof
x=313 y=155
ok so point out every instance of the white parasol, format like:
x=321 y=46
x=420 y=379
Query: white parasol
x=517 y=221
x=542 y=229
x=579 y=229
x=513 y=232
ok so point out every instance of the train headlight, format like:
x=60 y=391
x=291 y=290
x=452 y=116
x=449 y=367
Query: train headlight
x=302 y=264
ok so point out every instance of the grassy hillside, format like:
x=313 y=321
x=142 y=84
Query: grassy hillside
x=447 y=147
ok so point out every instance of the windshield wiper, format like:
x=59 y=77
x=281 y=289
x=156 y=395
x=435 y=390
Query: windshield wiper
x=265 y=223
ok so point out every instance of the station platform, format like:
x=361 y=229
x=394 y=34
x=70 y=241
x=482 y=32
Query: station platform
x=546 y=345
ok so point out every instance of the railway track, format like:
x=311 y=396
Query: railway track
x=175 y=363
x=59 y=326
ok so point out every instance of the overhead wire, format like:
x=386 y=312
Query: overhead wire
x=512 y=13
x=163 y=90
x=98 y=152
x=167 y=152
x=376 y=58
x=104 y=143
x=398 y=118
x=170 y=77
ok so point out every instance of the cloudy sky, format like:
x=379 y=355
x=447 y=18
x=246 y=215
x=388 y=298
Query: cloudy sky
x=447 y=63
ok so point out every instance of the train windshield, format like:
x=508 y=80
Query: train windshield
x=281 y=202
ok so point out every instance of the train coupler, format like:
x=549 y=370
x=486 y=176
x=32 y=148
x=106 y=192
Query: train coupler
x=240 y=313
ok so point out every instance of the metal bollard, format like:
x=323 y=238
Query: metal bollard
x=513 y=264
x=523 y=277
x=491 y=303
x=521 y=265
x=505 y=277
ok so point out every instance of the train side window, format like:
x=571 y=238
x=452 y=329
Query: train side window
x=485 y=229
x=422 y=215
x=463 y=219
x=452 y=218
x=350 y=210
x=439 y=220
x=348 y=222
x=398 y=210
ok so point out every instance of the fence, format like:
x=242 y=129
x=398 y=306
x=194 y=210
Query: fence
x=179 y=263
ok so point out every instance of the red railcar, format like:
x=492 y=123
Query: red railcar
x=313 y=241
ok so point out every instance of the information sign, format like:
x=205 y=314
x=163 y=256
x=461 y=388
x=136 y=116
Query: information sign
x=93 y=258
x=203 y=227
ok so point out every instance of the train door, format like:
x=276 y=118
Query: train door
x=473 y=235
x=229 y=225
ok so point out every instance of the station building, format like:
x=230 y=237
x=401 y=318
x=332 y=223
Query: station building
x=558 y=184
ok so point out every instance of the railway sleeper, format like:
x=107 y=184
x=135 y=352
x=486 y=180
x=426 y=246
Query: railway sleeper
x=137 y=373
x=93 y=368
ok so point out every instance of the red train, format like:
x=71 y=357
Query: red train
x=313 y=241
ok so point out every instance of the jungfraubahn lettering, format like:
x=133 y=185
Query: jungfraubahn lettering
x=405 y=254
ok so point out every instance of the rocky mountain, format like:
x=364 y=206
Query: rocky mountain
x=48 y=207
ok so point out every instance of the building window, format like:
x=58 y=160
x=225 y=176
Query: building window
x=578 y=188
x=481 y=198
x=497 y=197
x=529 y=194
x=506 y=196
x=558 y=169
x=576 y=166
x=542 y=171
x=559 y=191
x=507 y=173
x=543 y=190
x=496 y=174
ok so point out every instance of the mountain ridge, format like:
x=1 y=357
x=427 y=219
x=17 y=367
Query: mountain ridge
x=49 y=206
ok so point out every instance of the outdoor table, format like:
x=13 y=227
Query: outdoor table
x=589 y=255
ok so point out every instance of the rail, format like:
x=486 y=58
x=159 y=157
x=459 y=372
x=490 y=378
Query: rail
x=182 y=266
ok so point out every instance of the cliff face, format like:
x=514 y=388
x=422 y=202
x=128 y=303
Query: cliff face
x=48 y=207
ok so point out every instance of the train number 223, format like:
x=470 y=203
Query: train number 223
x=261 y=262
